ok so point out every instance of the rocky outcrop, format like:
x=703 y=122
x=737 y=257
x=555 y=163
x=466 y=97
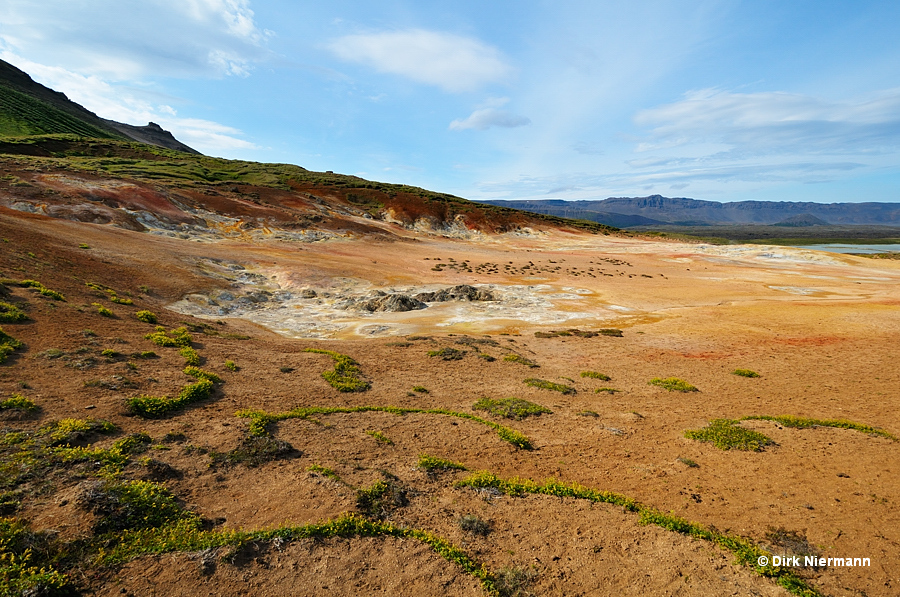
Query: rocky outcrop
x=463 y=292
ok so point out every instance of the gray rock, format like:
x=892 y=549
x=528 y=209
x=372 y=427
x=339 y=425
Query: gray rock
x=463 y=292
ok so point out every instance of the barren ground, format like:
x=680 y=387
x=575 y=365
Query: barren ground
x=821 y=330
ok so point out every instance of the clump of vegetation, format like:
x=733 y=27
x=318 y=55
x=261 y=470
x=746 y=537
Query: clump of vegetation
x=199 y=373
x=57 y=296
x=146 y=316
x=433 y=464
x=178 y=337
x=470 y=523
x=325 y=472
x=381 y=499
x=145 y=354
x=286 y=369
x=154 y=407
x=421 y=389
x=10 y=313
x=613 y=332
x=595 y=375
x=688 y=462
x=19 y=403
x=588 y=413
x=109 y=352
x=746 y=552
x=727 y=434
x=486 y=357
x=448 y=354
x=8 y=345
x=511 y=408
x=23 y=570
x=231 y=366
x=133 y=505
x=256 y=450
x=513 y=581
x=549 y=385
x=191 y=356
x=607 y=390
x=745 y=373
x=381 y=437
x=517 y=358
x=803 y=423
x=103 y=310
x=259 y=420
x=673 y=384
x=345 y=377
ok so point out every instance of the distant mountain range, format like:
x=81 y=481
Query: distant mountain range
x=29 y=108
x=656 y=210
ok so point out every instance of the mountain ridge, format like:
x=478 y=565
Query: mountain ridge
x=28 y=108
x=696 y=212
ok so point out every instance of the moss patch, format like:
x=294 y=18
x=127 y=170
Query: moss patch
x=727 y=434
x=510 y=408
x=345 y=377
x=673 y=384
x=549 y=385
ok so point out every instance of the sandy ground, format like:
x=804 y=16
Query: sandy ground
x=822 y=330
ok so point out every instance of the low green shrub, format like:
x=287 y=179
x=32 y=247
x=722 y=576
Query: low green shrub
x=595 y=375
x=20 y=403
x=448 y=354
x=511 y=408
x=231 y=366
x=382 y=498
x=57 y=296
x=517 y=358
x=727 y=434
x=154 y=407
x=381 y=437
x=8 y=345
x=803 y=423
x=103 y=310
x=745 y=373
x=175 y=338
x=345 y=377
x=146 y=316
x=433 y=464
x=10 y=313
x=191 y=356
x=21 y=570
x=198 y=373
x=549 y=385
x=673 y=384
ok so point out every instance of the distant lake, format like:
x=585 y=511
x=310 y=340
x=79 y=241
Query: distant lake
x=845 y=248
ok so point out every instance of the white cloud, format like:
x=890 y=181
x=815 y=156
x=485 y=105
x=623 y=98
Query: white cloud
x=486 y=118
x=451 y=62
x=119 y=40
x=124 y=104
x=775 y=123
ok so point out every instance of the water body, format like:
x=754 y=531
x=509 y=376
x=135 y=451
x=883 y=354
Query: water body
x=847 y=248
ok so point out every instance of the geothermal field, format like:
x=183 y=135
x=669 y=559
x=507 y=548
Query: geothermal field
x=298 y=388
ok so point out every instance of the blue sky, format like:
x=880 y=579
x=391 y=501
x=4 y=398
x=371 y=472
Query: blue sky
x=717 y=100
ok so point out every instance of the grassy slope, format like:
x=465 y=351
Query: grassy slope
x=21 y=114
x=149 y=163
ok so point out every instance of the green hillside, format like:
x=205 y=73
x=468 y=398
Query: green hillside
x=21 y=114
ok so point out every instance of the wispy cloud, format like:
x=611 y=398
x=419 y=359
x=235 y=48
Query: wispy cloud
x=774 y=123
x=119 y=40
x=487 y=117
x=452 y=62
